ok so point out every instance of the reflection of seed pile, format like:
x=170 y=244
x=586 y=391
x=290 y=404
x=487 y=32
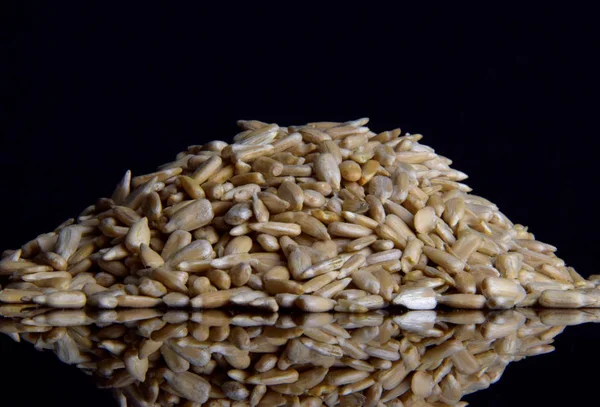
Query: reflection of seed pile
x=212 y=357
x=319 y=217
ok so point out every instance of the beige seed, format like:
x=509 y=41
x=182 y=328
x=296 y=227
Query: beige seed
x=312 y=303
x=268 y=242
x=197 y=250
x=348 y=230
x=359 y=219
x=247 y=178
x=319 y=282
x=366 y=281
x=240 y=244
x=327 y=170
x=500 y=287
x=323 y=267
x=68 y=241
x=425 y=220
x=465 y=283
x=422 y=384
x=369 y=169
x=189 y=385
x=308 y=224
x=454 y=211
x=176 y=241
x=416 y=298
x=333 y=288
x=381 y=187
x=276 y=228
x=149 y=257
x=568 y=299
x=274 y=203
x=207 y=169
x=117 y=252
x=193 y=216
x=123 y=188
x=152 y=206
x=274 y=377
x=346 y=376
x=152 y=288
x=350 y=170
x=313 y=199
x=277 y=286
x=292 y=194
x=66 y=299
x=137 y=301
x=54 y=260
x=192 y=187
x=240 y=274
x=465 y=363
x=214 y=299
x=259 y=209
x=238 y=214
x=466 y=245
x=449 y=262
x=267 y=166
x=467 y=301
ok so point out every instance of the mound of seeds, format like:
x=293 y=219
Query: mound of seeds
x=320 y=217
x=220 y=359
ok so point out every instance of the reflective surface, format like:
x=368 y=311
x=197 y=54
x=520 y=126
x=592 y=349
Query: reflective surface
x=150 y=358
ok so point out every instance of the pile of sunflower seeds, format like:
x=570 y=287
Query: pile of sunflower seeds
x=222 y=359
x=320 y=217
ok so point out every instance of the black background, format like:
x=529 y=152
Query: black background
x=89 y=91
